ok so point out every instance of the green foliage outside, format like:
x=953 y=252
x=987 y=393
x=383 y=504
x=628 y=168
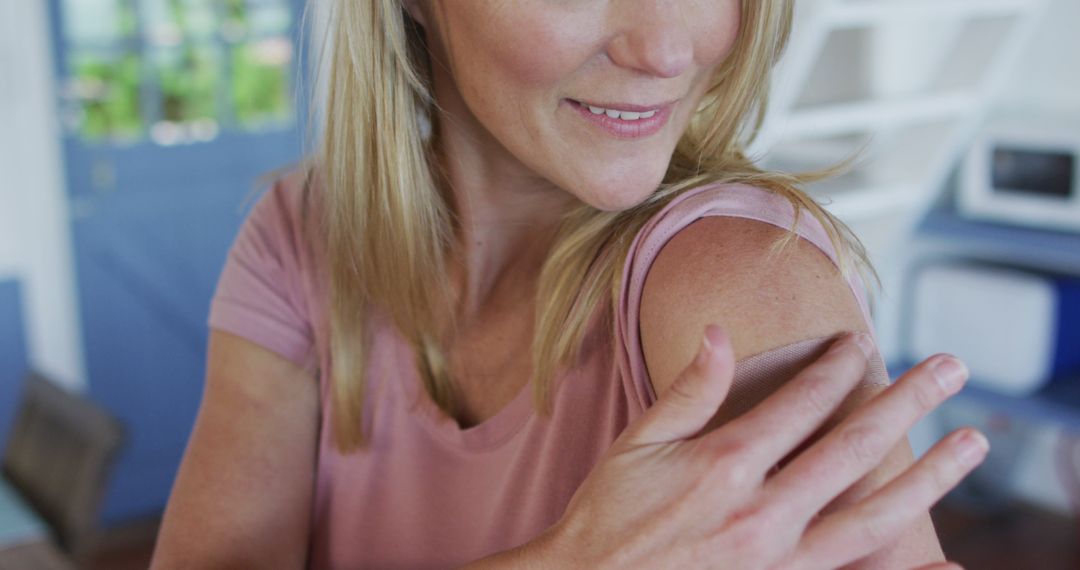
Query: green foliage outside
x=188 y=84
x=260 y=90
x=111 y=105
x=191 y=80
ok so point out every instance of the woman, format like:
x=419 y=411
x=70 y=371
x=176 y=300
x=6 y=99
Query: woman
x=576 y=213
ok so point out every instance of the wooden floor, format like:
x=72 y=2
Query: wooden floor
x=1018 y=538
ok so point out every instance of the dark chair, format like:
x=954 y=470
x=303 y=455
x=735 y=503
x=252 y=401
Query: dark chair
x=58 y=458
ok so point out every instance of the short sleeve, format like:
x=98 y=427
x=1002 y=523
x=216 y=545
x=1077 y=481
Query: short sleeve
x=758 y=375
x=259 y=294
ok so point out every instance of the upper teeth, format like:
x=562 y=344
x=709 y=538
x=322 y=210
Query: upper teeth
x=624 y=115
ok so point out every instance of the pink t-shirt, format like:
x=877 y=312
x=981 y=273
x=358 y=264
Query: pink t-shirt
x=425 y=493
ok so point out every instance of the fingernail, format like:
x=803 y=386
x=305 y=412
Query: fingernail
x=715 y=336
x=971 y=448
x=866 y=344
x=704 y=352
x=949 y=372
x=839 y=343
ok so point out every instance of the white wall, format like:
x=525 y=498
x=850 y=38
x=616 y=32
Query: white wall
x=1049 y=74
x=1048 y=79
x=35 y=241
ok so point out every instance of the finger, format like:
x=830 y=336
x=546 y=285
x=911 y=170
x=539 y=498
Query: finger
x=803 y=404
x=941 y=566
x=861 y=441
x=693 y=397
x=854 y=532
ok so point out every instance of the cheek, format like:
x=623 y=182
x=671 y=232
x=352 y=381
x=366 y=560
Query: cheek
x=530 y=66
x=717 y=34
x=516 y=52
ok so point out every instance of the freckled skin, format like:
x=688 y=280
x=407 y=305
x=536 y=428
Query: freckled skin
x=509 y=67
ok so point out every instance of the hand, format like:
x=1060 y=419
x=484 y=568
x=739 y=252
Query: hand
x=667 y=495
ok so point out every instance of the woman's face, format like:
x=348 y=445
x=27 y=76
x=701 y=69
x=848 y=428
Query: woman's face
x=523 y=74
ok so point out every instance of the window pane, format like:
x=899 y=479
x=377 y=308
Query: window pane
x=255 y=18
x=171 y=22
x=98 y=22
x=261 y=86
x=179 y=70
x=268 y=17
x=107 y=90
x=188 y=83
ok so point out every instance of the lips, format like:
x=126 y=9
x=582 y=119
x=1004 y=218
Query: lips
x=625 y=129
x=623 y=106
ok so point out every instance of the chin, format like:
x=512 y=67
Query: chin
x=619 y=193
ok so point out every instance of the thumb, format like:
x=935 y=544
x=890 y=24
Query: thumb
x=693 y=398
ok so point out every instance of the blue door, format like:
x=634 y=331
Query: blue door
x=171 y=111
x=13 y=365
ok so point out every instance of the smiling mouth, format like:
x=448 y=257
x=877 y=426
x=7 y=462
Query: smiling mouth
x=622 y=123
x=623 y=111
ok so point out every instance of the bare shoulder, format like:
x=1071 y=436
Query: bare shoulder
x=721 y=270
x=724 y=270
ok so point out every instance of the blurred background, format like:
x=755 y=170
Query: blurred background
x=133 y=133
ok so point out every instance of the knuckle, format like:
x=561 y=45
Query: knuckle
x=734 y=450
x=773 y=516
x=730 y=473
x=736 y=476
x=928 y=394
x=729 y=450
x=876 y=528
x=727 y=467
x=753 y=528
x=843 y=364
x=943 y=475
x=770 y=522
x=865 y=443
x=847 y=355
x=682 y=388
x=844 y=347
x=816 y=393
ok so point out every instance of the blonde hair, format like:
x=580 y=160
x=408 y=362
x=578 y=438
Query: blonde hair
x=387 y=222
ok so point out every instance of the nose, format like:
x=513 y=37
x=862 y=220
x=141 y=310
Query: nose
x=651 y=36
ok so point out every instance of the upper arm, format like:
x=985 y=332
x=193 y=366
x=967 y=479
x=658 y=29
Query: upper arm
x=720 y=270
x=243 y=495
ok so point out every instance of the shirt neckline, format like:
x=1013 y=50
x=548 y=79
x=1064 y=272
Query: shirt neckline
x=483 y=436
